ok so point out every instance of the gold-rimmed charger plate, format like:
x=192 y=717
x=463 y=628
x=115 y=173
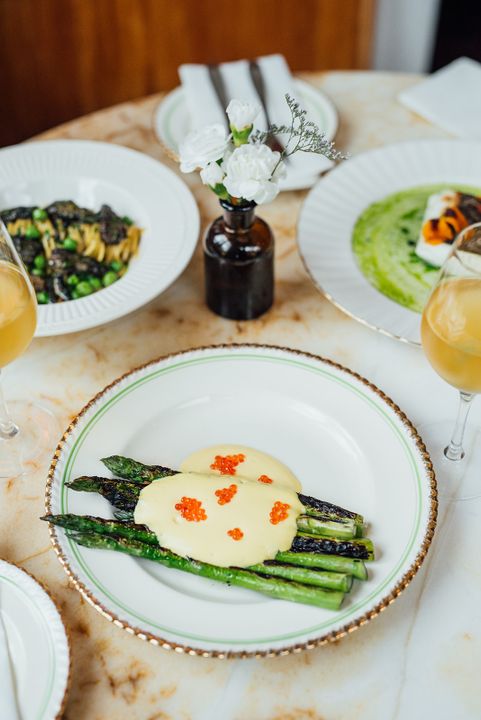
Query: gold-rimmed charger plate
x=346 y=441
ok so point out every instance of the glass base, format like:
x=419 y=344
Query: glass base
x=39 y=431
x=456 y=479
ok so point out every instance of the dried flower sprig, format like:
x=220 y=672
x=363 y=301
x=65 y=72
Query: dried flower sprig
x=303 y=135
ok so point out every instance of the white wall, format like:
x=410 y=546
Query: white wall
x=404 y=34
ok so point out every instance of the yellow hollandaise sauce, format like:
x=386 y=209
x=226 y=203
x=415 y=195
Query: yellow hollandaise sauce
x=225 y=520
x=241 y=461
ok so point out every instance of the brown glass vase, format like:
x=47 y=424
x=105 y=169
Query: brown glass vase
x=239 y=263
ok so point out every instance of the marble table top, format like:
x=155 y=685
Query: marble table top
x=421 y=657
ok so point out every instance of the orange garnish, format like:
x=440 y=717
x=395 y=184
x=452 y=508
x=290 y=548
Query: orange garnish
x=235 y=533
x=225 y=495
x=444 y=228
x=191 y=509
x=227 y=464
x=265 y=479
x=279 y=512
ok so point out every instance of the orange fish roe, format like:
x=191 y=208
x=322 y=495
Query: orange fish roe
x=225 y=495
x=227 y=464
x=265 y=479
x=235 y=533
x=279 y=512
x=191 y=509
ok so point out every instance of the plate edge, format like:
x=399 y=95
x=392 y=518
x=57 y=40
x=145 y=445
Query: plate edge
x=333 y=636
x=357 y=156
x=46 y=590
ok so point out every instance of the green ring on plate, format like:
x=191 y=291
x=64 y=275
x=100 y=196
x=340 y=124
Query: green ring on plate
x=241 y=356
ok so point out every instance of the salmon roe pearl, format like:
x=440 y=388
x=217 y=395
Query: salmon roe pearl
x=279 y=512
x=235 y=533
x=225 y=495
x=227 y=464
x=191 y=509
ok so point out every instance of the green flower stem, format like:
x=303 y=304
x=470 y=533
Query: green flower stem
x=220 y=191
x=241 y=137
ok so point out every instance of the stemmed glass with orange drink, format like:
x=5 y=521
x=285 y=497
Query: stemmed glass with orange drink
x=19 y=443
x=451 y=338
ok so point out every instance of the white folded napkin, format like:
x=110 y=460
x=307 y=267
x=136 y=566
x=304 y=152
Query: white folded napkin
x=8 y=700
x=450 y=98
x=205 y=108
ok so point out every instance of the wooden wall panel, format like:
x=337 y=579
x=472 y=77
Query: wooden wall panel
x=63 y=58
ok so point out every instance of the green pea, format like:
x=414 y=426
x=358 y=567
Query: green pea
x=83 y=288
x=32 y=232
x=75 y=295
x=42 y=298
x=37 y=271
x=95 y=283
x=39 y=214
x=117 y=265
x=70 y=244
x=73 y=280
x=40 y=261
x=109 y=278
x=127 y=220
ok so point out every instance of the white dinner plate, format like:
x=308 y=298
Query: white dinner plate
x=333 y=206
x=172 y=123
x=37 y=645
x=345 y=440
x=134 y=184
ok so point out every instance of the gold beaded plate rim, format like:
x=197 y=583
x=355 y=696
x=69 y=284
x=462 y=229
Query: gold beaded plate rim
x=314 y=642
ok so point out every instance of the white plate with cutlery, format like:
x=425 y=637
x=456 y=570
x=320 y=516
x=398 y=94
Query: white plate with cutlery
x=34 y=649
x=172 y=124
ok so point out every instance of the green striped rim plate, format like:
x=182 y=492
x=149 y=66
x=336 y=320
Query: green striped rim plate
x=37 y=644
x=347 y=442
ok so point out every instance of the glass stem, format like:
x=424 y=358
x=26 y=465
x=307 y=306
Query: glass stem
x=8 y=429
x=454 y=450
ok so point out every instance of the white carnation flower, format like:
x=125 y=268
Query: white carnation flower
x=242 y=114
x=212 y=174
x=249 y=173
x=203 y=146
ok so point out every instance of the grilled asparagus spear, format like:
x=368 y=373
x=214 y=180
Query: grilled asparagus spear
x=273 y=587
x=306 y=576
x=334 y=578
x=124 y=494
x=315 y=560
x=138 y=472
x=334 y=563
x=131 y=469
x=360 y=548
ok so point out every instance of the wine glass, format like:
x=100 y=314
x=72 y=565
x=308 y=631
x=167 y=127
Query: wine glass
x=451 y=339
x=22 y=443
